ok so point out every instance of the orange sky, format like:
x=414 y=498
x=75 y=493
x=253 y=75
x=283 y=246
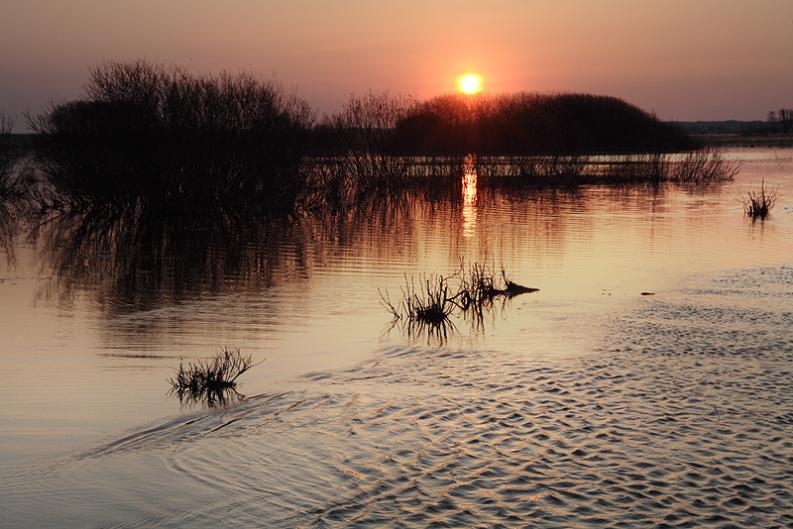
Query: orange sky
x=685 y=59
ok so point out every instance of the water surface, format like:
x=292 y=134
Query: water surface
x=584 y=404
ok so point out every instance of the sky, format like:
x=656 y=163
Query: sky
x=683 y=59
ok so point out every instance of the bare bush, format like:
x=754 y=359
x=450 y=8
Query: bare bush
x=759 y=203
x=211 y=381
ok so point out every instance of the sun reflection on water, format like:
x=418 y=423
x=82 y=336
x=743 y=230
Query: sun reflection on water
x=469 y=197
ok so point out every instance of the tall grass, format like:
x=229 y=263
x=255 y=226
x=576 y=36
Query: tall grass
x=699 y=168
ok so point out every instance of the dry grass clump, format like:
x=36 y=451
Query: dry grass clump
x=432 y=302
x=758 y=203
x=211 y=381
x=471 y=288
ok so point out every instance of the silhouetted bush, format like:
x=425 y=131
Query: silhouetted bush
x=431 y=299
x=759 y=203
x=165 y=137
x=355 y=152
x=212 y=382
x=533 y=124
x=11 y=191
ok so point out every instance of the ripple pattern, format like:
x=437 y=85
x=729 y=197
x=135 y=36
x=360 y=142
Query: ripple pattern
x=684 y=419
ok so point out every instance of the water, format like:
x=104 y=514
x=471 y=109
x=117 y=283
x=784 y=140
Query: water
x=584 y=404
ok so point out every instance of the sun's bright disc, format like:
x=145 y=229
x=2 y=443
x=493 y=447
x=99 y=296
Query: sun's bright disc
x=469 y=83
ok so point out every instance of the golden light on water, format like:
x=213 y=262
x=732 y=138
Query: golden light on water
x=469 y=198
x=469 y=83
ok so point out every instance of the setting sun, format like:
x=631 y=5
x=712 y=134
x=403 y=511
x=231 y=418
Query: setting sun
x=469 y=83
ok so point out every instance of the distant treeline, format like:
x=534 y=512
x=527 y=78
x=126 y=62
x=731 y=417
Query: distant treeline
x=778 y=122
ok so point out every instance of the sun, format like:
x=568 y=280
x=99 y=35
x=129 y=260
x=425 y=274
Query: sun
x=469 y=83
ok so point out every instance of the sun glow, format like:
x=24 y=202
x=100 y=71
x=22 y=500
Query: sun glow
x=469 y=83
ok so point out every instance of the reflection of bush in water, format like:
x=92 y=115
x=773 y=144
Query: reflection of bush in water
x=135 y=259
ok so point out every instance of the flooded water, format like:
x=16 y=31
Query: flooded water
x=585 y=404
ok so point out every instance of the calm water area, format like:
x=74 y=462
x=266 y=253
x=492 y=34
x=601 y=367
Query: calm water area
x=585 y=404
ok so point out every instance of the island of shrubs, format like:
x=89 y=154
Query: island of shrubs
x=151 y=135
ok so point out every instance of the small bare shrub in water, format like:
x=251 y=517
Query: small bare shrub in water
x=758 y=203
x=211 y=381
x=437 y=297
x=431 y=302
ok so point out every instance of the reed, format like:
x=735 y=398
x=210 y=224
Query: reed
x=480 y=284
x=700 y=167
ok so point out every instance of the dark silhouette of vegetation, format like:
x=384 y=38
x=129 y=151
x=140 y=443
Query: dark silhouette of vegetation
x=699 y=167
x=355 y=155
x=183 y=145
x=534 y=124
x=165 y=138
x=212 y=381
x=11 y=190
x=7 y=159
x=429 y=305
x=758 y=203
x=479 y=286
x=781 y=120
